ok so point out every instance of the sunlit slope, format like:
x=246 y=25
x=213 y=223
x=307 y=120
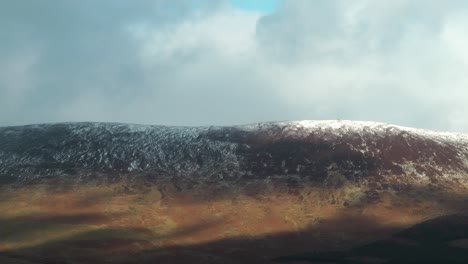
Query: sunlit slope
x=113 y=193
x=123 y=222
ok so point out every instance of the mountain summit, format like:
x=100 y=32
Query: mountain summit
x=303 y=150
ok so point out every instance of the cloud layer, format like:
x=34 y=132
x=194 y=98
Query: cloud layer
x=206 y=63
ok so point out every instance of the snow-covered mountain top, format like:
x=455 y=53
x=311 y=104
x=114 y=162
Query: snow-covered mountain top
x=304 y=149
x=341 y=127
x=334 y=126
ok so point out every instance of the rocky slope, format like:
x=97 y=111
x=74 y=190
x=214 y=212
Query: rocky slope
x=302 y=150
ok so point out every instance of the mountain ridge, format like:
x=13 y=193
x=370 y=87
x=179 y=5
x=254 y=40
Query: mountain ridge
x=293 y=148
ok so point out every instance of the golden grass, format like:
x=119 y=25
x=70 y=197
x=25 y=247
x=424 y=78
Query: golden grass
x=94 y=220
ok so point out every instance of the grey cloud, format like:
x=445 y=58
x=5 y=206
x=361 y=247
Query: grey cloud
x=311 y=30
x=374 y=60
x=204 y=63
x=75 y=46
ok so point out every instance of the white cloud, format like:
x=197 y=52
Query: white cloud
x=389 y=61
x=228 y=35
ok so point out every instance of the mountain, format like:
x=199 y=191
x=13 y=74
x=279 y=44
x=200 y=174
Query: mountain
x=82 y=192
x=304 y=150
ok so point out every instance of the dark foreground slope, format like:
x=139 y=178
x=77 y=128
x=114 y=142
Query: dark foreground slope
x=261 y=193
x=443 y=239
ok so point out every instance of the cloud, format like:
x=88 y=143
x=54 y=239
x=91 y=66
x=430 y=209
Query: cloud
x=207 y=63
x=399 y=61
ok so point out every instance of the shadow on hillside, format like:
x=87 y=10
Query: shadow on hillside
x=125 y=245
x=428 y=242
x=440 y=240
x=346 y=238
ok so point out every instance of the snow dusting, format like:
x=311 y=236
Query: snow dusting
x=304 y=149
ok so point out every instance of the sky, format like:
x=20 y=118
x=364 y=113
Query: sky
x=221 y=62
x=263 y=6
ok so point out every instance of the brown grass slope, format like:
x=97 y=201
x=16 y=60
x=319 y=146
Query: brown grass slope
x=267 y=193
x=128 y=223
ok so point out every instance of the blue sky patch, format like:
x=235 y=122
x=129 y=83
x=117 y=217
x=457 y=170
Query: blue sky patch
x=265 y=6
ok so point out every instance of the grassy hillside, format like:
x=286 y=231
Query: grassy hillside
x=142 y=223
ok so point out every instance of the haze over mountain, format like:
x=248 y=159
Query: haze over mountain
x=258 y=193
